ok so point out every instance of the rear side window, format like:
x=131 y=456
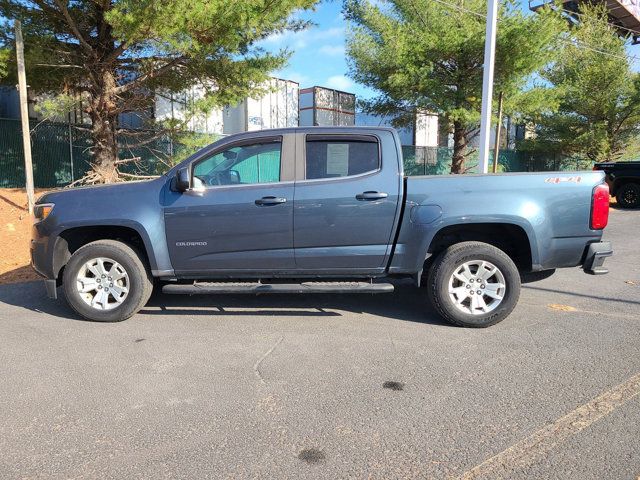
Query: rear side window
x=341 y=156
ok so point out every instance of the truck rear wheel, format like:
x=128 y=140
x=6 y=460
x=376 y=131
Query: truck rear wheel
x=473 y=284
x=106 y=281
x=628 y=195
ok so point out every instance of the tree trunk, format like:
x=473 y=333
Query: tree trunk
x=103 y=115
x=459 y=147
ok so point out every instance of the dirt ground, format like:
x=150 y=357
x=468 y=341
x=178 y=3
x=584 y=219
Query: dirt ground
x=15 y=232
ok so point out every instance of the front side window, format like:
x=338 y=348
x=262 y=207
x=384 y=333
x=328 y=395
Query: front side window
x=340 y=156
x=241 y=165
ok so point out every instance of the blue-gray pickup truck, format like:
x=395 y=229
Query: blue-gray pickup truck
x=317 y=210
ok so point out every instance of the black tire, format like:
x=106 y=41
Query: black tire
x=454 y=257
x=140 y=283
x=628 y=195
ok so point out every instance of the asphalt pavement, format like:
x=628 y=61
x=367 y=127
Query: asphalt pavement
x=329 y=386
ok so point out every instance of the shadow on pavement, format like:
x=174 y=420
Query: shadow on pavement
x=407 y=303
x=32 y=296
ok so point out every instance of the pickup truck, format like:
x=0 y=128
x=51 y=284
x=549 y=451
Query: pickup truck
x=623 y=179
x=316 y=210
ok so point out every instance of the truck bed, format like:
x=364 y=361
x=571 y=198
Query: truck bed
x=551 y=208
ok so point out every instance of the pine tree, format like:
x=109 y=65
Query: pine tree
x=593 y=95
x=428 y=55
x=115 y=54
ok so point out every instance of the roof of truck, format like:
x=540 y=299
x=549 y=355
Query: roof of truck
x=336 y=129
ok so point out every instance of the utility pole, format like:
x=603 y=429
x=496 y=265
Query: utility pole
x=496 y=147
x=487 y=83
x=24 y=115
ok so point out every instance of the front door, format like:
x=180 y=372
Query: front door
x=239 y=214
x=346 y=203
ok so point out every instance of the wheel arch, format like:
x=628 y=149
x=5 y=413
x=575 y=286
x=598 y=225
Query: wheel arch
x=510 y=237
x=71 y=239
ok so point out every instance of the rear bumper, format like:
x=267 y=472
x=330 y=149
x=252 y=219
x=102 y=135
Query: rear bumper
x=594 y=258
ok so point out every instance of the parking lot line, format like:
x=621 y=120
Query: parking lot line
x=530 y=449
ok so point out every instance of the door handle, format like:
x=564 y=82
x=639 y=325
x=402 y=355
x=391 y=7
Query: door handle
x=264 y=201
x=370 y=195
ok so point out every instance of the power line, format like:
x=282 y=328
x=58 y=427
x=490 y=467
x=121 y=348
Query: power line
x=473 y=12
x=578 y=44
x=613 y=25
x=569 y=42
x=461 y=9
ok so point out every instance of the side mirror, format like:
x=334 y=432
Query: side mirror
x=183 y=179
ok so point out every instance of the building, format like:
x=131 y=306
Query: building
x=624 y=14
x=326 y=107
x=177 y=107
x=276 y=109
x=423 y=132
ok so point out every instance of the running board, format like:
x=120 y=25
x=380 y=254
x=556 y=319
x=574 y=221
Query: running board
x=207 y=288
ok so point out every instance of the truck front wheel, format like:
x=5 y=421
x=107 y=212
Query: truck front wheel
x=106 y=281
x=473 y=284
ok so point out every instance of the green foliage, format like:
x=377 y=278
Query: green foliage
x=51 y=106
x=115 y=53
x=5 y=53
x=423 y=54
x=594 y=110
x=188 y=143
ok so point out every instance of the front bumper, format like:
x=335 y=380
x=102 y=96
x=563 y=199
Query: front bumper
x=51 y=287
x=594 y=258
x=41 y=260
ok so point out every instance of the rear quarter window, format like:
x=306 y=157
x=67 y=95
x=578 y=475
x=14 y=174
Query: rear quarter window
x=340 y=156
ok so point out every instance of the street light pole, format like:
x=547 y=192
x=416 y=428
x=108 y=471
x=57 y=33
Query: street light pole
x=487 y=84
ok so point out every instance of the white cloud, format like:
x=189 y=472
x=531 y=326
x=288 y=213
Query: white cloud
x=299 y=40
x=334 y=32
x=332 y=50
x=339 y=82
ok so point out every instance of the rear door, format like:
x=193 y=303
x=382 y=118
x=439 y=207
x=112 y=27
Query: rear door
x=345 y=202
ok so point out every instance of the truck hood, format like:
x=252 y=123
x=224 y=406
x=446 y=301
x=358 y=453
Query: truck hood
x=112 y=191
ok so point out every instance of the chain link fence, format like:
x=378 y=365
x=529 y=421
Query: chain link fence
x=437 y=161
x=61 y=155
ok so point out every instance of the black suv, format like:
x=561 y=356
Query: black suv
x=624 y=181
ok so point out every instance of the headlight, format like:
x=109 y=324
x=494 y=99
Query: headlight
x=42 y=211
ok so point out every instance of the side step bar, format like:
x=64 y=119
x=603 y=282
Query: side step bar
x=254 y=287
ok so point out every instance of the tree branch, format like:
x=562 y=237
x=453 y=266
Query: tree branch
x=73 y=26
x=149 y=76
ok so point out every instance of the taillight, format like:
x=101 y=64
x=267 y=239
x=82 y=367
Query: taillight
x=600 y=207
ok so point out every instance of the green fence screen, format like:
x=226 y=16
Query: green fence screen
x=61 y=155
x=437 y=161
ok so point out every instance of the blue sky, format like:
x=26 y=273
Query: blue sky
x=318 y=56
x=318 y=53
